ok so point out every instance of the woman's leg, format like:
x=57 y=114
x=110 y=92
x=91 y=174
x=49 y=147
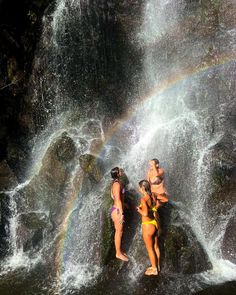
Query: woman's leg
x=157 y=251
x=116 y=217
x=148 y=237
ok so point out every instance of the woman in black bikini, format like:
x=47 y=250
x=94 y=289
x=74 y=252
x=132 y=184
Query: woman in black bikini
x=117 y=214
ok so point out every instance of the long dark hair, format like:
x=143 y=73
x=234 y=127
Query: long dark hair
x=146 y=185
x=115 y=173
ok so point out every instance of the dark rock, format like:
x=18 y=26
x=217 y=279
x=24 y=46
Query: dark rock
x=17 y=158
x=7 y=178
x=30 y=230
x=223 y=197
x=33 y=220
x=65 y=149
x=229 y=241
x=181 y=251
x=20 y=29
x=5 y=214
x=45 y=192
x=91 y=166
x=227 y=288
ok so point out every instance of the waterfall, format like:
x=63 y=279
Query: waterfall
x=175 y=121
x=181 y=117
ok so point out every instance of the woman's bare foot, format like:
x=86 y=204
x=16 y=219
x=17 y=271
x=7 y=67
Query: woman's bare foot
x=151 y=271
x=124 y=254
x=122 y=257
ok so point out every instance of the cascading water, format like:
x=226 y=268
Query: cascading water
x=180 y=120
x=177 y=125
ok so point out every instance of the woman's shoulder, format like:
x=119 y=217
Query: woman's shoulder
x=116 y=183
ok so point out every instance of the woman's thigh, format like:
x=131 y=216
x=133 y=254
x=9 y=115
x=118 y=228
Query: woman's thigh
x=117 y=218
x=148 y=231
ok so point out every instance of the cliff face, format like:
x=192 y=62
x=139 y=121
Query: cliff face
x=20 y=23
x=107 y=68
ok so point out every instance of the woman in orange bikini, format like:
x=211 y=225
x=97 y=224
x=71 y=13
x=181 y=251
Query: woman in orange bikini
x=149 y=227
x=117 y=215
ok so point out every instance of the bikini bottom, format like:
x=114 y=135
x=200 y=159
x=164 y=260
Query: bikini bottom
x=153 y=222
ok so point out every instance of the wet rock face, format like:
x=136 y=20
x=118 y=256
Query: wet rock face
x=228 y=288
x=20 y=29
x=229 y=241
x=7 y=178
x=4 y=224
x=100 y=68
x=30 y=230
x=181 y=252
x=91 y=166
x=46 y=190
x=222 y=201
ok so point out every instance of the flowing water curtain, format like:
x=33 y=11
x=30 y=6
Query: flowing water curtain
x=177 y=120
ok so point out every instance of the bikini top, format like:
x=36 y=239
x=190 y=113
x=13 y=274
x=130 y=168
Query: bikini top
x=122 y=190
x=157 y=180
x=152 y=208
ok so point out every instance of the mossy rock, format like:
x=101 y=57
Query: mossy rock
x=65 y=148
x=46 y=190
x=33 y=220
x=91 y=166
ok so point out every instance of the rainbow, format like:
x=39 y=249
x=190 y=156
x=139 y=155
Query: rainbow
x=161 y=87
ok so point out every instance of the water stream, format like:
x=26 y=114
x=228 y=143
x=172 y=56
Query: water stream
x=180 y=120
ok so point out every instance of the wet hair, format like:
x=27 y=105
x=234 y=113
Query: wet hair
x=121 y=170
x=115 y=173
x=146 y=185
x=156 y=161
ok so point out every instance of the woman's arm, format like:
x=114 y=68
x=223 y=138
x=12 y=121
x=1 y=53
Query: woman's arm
x=162 y=199
x=160 y=172
x=143 y=209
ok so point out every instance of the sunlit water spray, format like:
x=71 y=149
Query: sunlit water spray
x=167 y=125
x=171 y=129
